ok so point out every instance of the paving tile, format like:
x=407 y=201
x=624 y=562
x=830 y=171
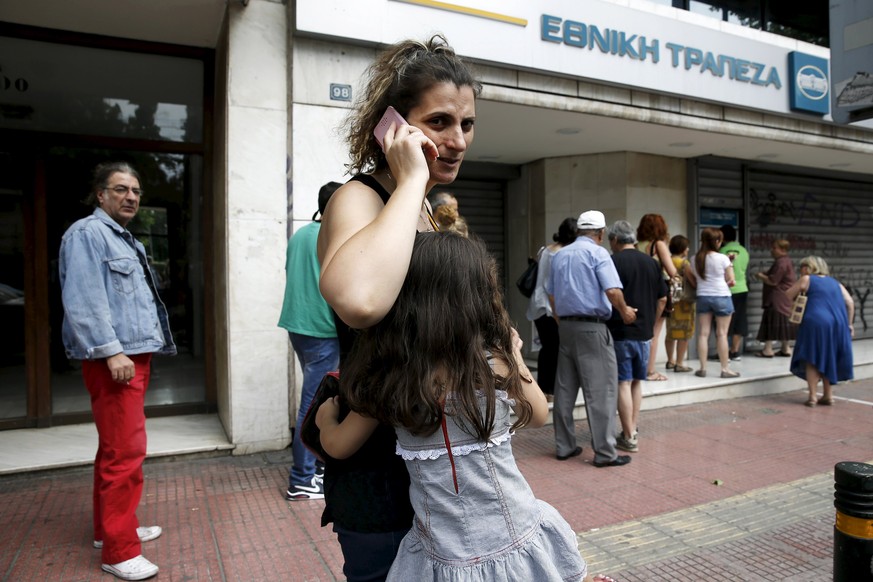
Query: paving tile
x=660 y=518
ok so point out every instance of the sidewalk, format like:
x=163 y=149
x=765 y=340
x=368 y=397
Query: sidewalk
x=729 y=490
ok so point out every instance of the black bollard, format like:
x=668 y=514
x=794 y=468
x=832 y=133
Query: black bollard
x=853 y=530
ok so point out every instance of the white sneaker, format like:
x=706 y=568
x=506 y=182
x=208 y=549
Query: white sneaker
x=146 y=534
x=315 y=490
x=137 y=568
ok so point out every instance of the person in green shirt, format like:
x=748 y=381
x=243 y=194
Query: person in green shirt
x=309 y=321
x=739 y=256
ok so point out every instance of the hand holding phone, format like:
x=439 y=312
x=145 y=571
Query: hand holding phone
x=390 y=116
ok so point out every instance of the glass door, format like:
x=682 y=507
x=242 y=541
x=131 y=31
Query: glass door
x=82 y=101
x=168 y=225
x=41 y=195
x=13 y=371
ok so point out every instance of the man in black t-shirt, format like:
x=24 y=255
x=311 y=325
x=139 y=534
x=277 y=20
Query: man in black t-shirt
x=644 y=289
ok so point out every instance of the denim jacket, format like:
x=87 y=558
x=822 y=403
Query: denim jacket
x=110 y=302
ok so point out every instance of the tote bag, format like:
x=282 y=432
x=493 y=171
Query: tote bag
x=798 y=309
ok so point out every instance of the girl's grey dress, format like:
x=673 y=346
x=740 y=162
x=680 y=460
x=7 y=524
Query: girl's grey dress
x=493 y=529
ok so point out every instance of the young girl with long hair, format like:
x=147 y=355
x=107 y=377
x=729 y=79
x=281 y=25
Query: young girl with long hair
x=712 y=275
x=444 y=367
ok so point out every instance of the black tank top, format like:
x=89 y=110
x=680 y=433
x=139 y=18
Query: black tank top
x=369 y=491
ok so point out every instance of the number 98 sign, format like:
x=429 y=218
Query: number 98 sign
x=339 y=92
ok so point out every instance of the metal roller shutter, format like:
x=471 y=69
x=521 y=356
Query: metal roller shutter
x=828 y=216
x=820 y=216
x=481 y=203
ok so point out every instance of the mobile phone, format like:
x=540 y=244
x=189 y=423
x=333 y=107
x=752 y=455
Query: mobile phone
x=390 y=116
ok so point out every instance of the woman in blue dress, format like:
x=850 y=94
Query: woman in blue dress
x=444 y=367
x=823 y=350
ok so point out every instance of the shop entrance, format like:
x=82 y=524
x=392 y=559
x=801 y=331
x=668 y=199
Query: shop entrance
x=77 y=105
x=41 y=195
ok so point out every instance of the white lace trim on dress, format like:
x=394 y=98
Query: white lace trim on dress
x=459 y=451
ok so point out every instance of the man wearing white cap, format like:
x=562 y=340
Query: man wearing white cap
x=584 y=286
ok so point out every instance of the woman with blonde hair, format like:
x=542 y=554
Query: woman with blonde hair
x=712 y=275
x=823 y=350
x=448 y=219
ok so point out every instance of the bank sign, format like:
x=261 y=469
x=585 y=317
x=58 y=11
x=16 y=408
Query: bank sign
x=810 y=87
x=660 y=49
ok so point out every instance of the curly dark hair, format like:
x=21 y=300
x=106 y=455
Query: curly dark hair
x=434 y=341
x=399 y=77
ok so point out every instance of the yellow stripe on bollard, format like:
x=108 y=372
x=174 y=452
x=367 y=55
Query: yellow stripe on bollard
x=854 y=526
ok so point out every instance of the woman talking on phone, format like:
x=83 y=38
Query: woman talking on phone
x=365 y=245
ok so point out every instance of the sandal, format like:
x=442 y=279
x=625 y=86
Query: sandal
x=670 y=365
x=604 y=578
x=656 y=377
x=783 y=354
x=810 y=403
x=681 y=369
x=763 y=355
x=826 y=401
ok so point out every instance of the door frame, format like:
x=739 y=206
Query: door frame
x=33 y=147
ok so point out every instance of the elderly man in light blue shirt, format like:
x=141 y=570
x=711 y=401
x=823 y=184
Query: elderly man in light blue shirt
x=584 y=287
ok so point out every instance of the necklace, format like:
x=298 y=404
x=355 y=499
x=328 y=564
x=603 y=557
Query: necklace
x=393 y=182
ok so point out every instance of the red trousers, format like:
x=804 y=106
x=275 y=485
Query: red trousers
x=119 y=414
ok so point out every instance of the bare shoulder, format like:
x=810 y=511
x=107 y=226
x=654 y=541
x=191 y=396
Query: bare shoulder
x=352 y=207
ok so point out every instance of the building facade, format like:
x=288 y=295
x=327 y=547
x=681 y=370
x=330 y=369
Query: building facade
x=231 y=110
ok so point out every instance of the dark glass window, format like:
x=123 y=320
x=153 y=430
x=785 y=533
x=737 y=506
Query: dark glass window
x=807 y=21
x=96 y=91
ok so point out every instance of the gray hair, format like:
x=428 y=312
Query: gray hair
x=440 y=198
x=622 y=232
x=101 y=175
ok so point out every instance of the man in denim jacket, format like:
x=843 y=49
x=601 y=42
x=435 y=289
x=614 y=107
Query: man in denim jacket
x=114 y=321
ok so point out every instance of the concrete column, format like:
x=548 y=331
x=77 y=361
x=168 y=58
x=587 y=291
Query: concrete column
x=254 y=162
x=622 y=185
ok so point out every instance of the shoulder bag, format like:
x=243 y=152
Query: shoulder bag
x=527 y=283
x=689 y=293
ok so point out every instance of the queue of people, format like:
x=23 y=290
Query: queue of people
x=698 y=295
x=431 y=368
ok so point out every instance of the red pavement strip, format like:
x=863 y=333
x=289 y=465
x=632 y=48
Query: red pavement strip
x=224 y=518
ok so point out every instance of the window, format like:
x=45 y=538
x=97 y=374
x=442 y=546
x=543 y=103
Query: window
x=808 y=21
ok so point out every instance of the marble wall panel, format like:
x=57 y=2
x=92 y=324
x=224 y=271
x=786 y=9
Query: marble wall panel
x=256 y=68
x=256 y=163
x=317 y=64
x=320 y=155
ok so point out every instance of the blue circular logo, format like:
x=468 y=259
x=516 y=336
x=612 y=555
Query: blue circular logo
x=812 y=82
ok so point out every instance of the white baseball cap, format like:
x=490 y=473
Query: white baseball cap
x=591 y=220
